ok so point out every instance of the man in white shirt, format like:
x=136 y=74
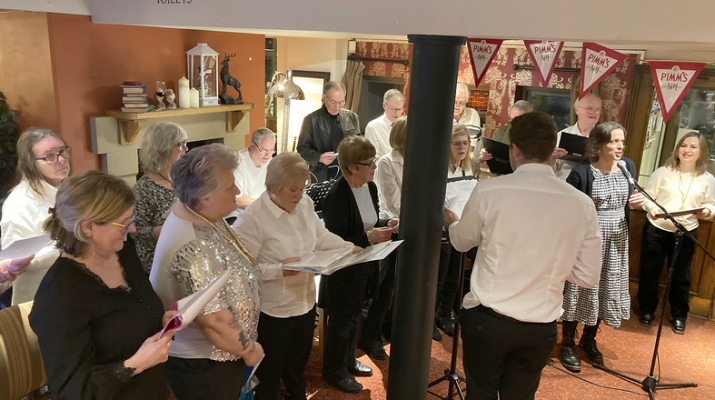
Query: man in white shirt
x=462 y=114
x=588 y=111
x=252 y=164
x=534 y=232
x=377 y=131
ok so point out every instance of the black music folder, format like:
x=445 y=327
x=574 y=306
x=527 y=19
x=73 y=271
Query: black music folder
x=574 y=144
x=499 y=164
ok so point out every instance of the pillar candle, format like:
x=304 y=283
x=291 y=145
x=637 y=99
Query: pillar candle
x=184 y=101
x=194 y=98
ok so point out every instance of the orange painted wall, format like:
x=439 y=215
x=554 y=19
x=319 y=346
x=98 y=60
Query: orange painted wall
x=90 y=60
x=26 y=68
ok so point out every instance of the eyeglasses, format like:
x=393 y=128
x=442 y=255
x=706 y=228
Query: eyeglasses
x=264 y=151
x=460 y=104
x=395 y=109
x=53 y=158
x=464 y=143
x=335 y=103
x=370 y=164
x=182 y=145
x=126 y=227
x=593 y=110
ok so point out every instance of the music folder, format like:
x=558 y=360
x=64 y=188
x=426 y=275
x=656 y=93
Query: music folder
x=574 y=144
x=499 y=164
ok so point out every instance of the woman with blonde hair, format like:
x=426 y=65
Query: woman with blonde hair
x=681 y=184
x=43 y=162
x=95 y=314
x=164 y=143
x=461 y=163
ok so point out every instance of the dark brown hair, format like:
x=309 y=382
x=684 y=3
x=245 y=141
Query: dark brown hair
x=534 y=134
x=599 y=137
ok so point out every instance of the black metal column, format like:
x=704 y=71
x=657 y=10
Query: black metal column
x=435 y=62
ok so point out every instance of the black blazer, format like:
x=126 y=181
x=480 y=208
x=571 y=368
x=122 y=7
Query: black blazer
x=581 y=177
x=343 y=291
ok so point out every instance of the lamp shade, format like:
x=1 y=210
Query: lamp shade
x=287 y=89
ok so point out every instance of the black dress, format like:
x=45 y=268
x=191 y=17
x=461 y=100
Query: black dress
x=86 y=331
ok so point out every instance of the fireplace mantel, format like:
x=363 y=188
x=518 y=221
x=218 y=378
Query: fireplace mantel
x=120 y=157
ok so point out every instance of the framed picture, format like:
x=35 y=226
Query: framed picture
x=311 y=82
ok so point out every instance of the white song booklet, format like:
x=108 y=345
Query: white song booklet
x=327 y=262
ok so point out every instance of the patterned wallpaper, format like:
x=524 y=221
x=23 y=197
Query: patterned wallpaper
x=614 y=90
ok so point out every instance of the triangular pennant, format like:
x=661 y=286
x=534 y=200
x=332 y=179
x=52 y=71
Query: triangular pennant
x=481 y=53
x=544 y=55
x=598 y=61
x=672 y=80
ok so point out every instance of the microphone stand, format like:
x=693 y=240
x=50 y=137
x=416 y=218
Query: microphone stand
x=651 y=384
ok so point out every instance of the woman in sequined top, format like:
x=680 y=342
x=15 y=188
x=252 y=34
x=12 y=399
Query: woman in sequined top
x=208 y=358
x=95 y=314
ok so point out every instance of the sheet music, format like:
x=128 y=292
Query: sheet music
x=329 y=265
x=458 y=193
x=25 y=247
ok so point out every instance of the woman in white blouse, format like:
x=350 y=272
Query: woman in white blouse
x=43 y=162
x=461 y=163
x=681 y=184
x=388 y=176
x=280 y=227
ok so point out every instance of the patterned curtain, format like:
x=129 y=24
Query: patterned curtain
x=353 y=84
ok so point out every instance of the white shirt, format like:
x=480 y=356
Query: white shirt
x=564 y=167
x=272 y=235
x=534 y=232
x=23 y=215
x=251 y=180
x=669 y=188
x=377 y=132
x=470 y=116
x=459 y=172
x=388 y=178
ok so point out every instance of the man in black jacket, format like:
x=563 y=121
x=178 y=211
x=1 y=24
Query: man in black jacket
x=323 y=130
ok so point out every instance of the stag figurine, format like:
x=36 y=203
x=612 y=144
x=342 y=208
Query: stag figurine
x=229 y=80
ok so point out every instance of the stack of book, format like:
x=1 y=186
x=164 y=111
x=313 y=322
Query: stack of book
x=134 y=97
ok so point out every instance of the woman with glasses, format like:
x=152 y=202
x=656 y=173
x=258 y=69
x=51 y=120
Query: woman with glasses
x=43 y=162
x=350 y=211
x=164 y=143
x=95 y=314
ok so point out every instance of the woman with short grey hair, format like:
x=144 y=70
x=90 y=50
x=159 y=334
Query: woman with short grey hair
x=164 y=143
x=208 y=359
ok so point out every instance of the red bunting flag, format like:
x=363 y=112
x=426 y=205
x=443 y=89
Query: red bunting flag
x=544 y=55
x=672 y=80
x=598 y=61
x=481 y=53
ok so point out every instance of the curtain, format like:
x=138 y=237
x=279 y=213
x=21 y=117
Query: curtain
x=353 y=84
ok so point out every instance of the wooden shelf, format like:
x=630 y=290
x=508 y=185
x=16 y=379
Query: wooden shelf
x=131 y=123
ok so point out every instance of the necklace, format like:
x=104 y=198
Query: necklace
x=232 y=239
x=167 y=179
x=680 y=189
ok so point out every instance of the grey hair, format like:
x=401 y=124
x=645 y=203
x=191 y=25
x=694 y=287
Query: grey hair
x=522 y=105
x=195 y=176
x=285 y=168
x=261 y=133
x=393 y=93
x=575 y=103
x=159 y=140
x=462 y=87
x=333 y=85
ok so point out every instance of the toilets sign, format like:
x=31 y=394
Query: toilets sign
x=481 y=54
x=672 y=81
x=544 y=55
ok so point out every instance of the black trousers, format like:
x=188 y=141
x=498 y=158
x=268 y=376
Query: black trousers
x=380 y=301
x=204 y=379
x=657 y=246
x=340 y=343
x=503 y=357
x=286 y=343
x=447 y=296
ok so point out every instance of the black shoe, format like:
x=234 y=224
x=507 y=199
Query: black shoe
x=360 y=369
x=678 y=326
x=567 y=356
x=445 y=324
x=435 y=334
x=591 y=351
x=645 y=319
x=349 y=385
x=374 y=350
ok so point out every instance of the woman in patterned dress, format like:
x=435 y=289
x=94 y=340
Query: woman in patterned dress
x=600 y=178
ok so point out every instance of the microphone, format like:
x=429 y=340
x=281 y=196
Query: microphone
x=622 y=165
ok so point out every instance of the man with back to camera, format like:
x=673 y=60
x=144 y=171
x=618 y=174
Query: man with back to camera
x=534 y=232
x=588 y=111
x=323 y=130
x=377 y=131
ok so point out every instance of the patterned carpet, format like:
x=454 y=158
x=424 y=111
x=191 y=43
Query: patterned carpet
x=629 y=349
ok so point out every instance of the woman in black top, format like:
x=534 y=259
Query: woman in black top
x=350 y=211
x=95 y=314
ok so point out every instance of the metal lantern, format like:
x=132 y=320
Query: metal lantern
x=202 y=62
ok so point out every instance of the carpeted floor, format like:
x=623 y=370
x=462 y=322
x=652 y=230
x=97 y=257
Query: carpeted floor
x=629 y=349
